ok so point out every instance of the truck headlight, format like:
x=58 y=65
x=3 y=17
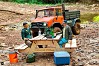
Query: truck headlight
x=44 y=24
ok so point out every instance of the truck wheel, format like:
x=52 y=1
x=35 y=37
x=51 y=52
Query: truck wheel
x=76 y=28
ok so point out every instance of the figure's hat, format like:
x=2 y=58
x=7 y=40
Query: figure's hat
x=65 y=21
x=25 y=23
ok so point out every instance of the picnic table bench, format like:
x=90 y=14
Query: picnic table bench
x=51 y=45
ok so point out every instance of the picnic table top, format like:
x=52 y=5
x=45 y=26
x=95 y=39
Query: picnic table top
x=42 y=37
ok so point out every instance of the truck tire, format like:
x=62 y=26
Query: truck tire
x=76 y=28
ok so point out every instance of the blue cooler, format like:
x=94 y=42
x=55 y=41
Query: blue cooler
x=62 y=41
x=61 y=58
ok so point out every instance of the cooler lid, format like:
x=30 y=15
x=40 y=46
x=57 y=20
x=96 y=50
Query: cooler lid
x=61 y=54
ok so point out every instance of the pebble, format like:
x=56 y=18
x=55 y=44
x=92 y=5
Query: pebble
x=1 y=51
x=94 y=62
x=80 y=64
x=6 y=51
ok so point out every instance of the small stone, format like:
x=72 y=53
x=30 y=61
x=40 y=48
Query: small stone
x=48 y=59
x=2 y=38
x=6 y=62
x=82 y=51
x=1 y=51
x=73 y=64
x=6 y=51
x=81 y=64
x=94 y=62
x=3 y=44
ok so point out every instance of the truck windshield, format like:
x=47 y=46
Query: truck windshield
x=49 y=12
x=41 y=13
x=44 y=13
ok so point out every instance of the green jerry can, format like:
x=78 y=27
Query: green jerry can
x=30 y=58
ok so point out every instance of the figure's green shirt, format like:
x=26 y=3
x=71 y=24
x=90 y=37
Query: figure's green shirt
x=26 y=33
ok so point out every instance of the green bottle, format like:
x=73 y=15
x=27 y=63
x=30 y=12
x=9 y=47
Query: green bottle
x=52 y=32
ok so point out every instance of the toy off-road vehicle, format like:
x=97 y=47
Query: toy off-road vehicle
x=54 y=17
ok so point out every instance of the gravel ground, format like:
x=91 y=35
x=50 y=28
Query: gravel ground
x=87 y=53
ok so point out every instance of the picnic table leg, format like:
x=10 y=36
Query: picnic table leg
x=56 y=44
x=32 y=49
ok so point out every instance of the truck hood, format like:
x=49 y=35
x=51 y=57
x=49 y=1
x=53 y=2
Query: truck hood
x=43 y=19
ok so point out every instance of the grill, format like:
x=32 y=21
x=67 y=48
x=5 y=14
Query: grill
x=37 y=25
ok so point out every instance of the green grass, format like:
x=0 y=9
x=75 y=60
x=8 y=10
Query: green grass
x=89 y=17
x=96 y=19
x=35 y=1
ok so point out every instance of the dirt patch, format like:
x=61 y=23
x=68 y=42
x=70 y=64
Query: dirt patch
x=7 y=17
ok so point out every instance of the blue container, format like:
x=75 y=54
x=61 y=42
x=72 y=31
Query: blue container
x=61 y=58
x=63 y=41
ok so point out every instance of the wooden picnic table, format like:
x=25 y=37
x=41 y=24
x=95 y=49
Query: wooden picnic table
x=51 y=45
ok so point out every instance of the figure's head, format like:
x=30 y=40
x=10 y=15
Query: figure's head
x=64 y=23
x=25 y=25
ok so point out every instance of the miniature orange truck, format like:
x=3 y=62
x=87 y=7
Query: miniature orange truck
x=54 y=17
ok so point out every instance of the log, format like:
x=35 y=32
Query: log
x=18 y=13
